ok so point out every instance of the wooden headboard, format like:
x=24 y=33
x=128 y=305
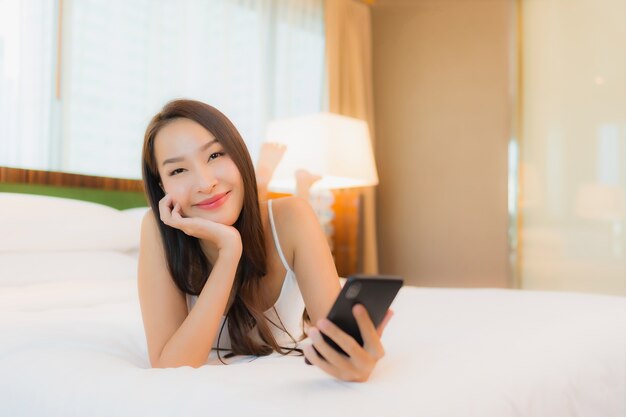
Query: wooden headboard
x=114 y=192
x=127 y=193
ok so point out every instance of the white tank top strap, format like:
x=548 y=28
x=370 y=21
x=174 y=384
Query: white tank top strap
x=275 y=235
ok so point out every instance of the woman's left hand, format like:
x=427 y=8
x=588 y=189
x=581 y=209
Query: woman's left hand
x=360 y=362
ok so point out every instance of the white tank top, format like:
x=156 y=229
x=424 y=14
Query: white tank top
x=289 y=305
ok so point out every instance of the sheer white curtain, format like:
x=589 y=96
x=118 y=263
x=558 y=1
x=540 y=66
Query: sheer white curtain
x=27 y=85
x=254 y=60
x=121 y=61
x=573 y=152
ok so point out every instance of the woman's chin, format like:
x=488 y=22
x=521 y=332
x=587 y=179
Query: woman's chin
x=225 y=220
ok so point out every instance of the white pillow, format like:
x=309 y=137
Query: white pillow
x=135 y=217
x=42 y=223
x=27 y=268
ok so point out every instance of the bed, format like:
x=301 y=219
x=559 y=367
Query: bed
x=72 y=341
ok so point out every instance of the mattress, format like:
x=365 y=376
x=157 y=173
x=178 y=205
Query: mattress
x=72 y=342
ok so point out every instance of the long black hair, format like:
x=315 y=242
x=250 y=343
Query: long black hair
x=186 y=261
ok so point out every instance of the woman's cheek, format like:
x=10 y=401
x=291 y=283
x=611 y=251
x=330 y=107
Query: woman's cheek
x=178 y=194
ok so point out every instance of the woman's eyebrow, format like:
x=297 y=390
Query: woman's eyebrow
x=182 y=158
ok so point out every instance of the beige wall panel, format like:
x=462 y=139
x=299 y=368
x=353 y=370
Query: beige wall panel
x=442 y=105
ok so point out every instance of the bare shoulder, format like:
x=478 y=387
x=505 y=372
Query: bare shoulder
x=291 y=210
x=153 y=272
x=151 y=250
x=150 y=234
x=296 y=223
x=148 y=221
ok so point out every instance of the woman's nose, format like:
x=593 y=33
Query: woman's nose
x=206 y=181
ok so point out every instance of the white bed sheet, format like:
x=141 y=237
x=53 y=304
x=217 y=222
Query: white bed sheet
x=77 y=348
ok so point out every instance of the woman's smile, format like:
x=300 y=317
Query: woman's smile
x=214 y=202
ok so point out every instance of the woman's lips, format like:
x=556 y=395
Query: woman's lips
x=214 y=202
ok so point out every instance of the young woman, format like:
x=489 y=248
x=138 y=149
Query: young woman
x=219 y=270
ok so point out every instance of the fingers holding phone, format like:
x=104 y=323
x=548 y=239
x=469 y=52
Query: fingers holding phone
x=322 y=355
x=369 y=333
x=381 y=327
x=347 y=344
x=357 y=362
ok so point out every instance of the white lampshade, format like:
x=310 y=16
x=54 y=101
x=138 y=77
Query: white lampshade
x=336 y=147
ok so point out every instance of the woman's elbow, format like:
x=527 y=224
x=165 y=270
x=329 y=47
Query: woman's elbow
x=159 y=363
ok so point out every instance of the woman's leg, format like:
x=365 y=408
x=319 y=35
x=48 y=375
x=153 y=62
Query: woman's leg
x=304 y=181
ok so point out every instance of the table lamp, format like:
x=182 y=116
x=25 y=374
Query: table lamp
x=337 y=148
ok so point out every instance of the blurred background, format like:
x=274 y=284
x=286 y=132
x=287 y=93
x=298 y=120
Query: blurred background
x=498 y=126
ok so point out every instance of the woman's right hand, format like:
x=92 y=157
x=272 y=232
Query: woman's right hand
x=223 y=236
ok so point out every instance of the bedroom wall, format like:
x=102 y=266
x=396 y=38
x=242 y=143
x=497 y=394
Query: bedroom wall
x=441 y=90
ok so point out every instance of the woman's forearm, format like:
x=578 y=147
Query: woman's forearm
x=191 y=344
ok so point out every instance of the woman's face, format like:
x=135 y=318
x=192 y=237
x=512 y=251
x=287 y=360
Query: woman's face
x=197 y=173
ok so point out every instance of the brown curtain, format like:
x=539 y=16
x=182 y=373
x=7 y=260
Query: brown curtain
x=350 y=84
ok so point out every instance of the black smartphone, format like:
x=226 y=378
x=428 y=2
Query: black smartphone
x=374 y=292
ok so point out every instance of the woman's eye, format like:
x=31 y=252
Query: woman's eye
x=215 y=155
x=176 y=171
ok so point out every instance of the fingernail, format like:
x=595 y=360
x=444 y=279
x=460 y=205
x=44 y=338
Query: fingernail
x=323 y=324
x=313 y=332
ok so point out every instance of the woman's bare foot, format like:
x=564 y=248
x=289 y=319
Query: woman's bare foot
x=269 y=157
x=304 y=181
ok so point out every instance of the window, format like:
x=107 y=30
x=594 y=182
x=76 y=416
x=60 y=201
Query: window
x=121 y=61
x=27 y=60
